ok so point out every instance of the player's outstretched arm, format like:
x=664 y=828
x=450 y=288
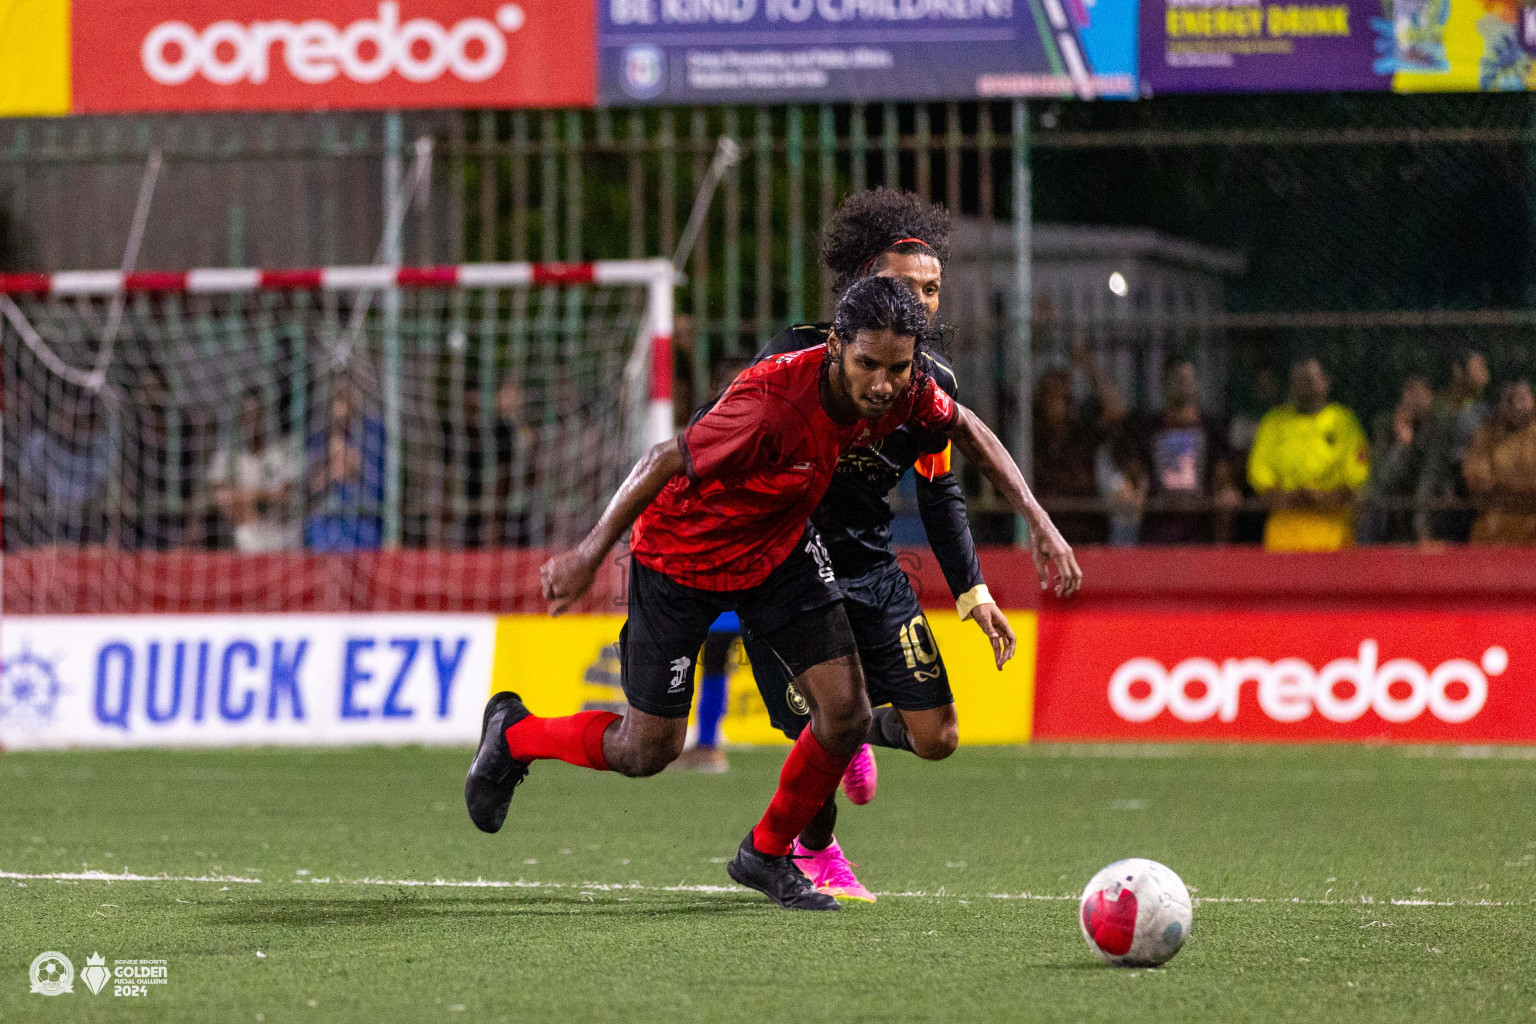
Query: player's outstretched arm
x=568 y=576
x=1051 y=552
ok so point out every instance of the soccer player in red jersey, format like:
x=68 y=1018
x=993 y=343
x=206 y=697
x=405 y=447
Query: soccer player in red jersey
x=720 y=519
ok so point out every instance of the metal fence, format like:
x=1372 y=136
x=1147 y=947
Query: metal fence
x=1383 y=233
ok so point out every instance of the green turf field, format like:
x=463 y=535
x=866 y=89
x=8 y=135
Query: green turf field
x=1335 y=884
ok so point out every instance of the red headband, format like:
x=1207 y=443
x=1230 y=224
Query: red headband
x=900 y=241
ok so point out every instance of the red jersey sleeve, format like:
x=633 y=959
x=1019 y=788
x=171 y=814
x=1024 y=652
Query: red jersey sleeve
x=733 y=436
x=933 y=409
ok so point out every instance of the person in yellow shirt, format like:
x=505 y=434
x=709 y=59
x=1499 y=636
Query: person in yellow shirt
x=1309 y=458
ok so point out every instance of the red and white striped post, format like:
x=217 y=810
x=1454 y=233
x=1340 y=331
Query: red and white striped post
x=657 y=275
x=660 y=422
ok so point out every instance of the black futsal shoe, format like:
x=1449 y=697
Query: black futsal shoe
x=778 y=878
x=494 y=773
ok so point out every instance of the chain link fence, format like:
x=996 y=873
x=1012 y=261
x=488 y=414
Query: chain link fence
x=1383 y=234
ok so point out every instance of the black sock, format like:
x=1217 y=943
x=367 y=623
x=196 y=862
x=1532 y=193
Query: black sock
x=887 y=729
x=818 y=834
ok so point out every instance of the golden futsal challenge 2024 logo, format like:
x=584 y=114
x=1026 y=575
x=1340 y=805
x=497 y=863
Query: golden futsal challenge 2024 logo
x=53 y=974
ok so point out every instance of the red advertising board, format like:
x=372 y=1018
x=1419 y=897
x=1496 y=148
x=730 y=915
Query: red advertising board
x=184 y=55
x=1396 y=675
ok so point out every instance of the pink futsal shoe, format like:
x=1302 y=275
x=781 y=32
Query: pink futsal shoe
x=861 y=776
x=831 y=872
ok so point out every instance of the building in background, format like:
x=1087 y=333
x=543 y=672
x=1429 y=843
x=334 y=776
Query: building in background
x=1133 y=296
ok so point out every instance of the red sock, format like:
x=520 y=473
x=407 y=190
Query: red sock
x=574 y=739
x=810 y=775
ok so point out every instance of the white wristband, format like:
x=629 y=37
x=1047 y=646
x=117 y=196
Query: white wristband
x=971 y=598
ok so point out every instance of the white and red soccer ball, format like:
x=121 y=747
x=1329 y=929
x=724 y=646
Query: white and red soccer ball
x=1135 y=913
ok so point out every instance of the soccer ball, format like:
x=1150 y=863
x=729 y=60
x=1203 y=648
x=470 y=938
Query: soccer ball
x=1135 y=913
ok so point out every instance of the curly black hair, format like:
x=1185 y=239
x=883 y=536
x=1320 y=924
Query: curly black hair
x=869 y=223
x=879 y=304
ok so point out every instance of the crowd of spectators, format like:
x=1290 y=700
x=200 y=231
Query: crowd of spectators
x=126 y=467
x=1302 y=476
x=1299 y=473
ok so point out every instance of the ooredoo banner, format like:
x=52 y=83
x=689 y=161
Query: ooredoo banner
x=224 y=680
x=185 y=55
x=1400 y=676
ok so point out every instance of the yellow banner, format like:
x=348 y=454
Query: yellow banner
x=1464 y=46
x=561 y=666
x=34 y=57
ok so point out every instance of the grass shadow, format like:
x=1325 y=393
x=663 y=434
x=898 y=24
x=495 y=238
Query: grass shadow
x=301 y=912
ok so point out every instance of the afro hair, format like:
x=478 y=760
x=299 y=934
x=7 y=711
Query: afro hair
x=869 y=223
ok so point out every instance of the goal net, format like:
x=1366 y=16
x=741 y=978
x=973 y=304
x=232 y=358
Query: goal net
x=341 y=439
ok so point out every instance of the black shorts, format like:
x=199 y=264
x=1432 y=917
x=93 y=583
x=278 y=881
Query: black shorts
x=902 y=664
x=795 y=612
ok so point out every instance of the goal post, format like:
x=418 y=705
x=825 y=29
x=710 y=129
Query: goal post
x=240 y=420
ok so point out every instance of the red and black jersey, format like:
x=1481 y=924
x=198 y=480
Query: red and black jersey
x=854 y=519
x=756 y=466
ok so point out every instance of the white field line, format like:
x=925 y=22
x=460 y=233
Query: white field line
x=596 y=887
x=125 y=876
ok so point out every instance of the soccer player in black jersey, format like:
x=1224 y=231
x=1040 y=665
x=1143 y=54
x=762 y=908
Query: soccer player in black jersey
x=886 y=233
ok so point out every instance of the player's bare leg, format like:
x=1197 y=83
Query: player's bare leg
x=512 y=738
x=639 y=744
x=840 y=715
x=932 y=735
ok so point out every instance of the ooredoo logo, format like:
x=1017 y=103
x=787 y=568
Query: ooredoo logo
x=317 y=51
x=1290 y=689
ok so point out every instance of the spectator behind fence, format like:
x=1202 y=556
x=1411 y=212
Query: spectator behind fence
x=1066 y=444
x=1500 y=470
x=63 y=472
x=1191 y=483
x=1400 y=440
x=346 y=479
x=1309 y=458
x=1265 y=391
x=1459 y=413
x=517 y=470
x=1120 y=476
x=253 y=483
x=497 y=504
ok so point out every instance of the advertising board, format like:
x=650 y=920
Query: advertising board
x=771 y=51
x=188 y=55
x=1396 y=676
x=226 y=680
x=1255 y=46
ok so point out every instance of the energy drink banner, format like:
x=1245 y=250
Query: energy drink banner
x=766 y=51
x=1253 y=46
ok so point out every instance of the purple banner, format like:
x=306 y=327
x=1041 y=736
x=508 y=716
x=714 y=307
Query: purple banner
x=1237 y=46
x=792 y=51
